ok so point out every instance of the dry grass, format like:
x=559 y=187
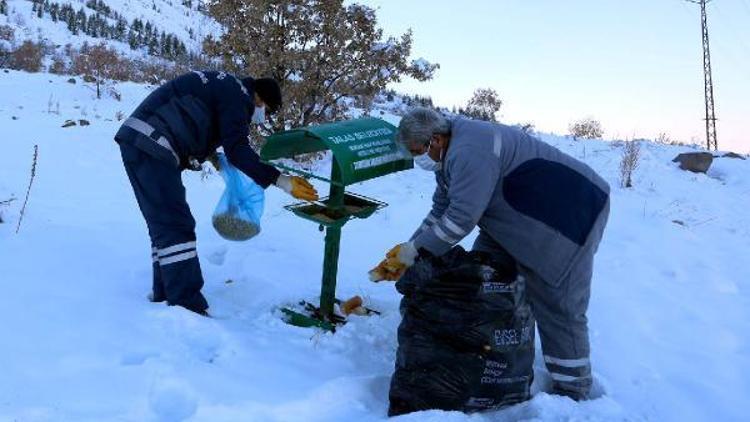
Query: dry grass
x=631 y=154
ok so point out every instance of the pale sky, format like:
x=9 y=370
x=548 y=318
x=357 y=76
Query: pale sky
x=636 y=65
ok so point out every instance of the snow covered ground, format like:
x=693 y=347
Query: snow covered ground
x=669 y=315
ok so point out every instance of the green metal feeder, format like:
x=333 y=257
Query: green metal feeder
x=362 y=149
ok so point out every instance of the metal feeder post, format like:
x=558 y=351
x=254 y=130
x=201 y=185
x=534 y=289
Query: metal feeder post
x=332 y=244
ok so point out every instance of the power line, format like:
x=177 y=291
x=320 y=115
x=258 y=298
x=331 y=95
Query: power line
x=729 y=24
x=708 y=85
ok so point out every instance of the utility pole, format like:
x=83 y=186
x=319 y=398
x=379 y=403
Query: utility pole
x=711 y=140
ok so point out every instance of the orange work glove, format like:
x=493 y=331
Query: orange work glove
x=395 y=264
x=298 y=187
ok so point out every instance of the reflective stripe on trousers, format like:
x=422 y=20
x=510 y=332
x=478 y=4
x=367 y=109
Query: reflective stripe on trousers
x=176 y=253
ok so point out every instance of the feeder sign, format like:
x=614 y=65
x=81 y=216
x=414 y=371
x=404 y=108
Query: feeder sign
x=362 y=148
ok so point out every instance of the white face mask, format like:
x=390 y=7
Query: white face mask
x=425 y=162
x=259 y=115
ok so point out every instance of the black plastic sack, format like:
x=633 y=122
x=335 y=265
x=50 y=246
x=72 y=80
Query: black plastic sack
x=466 y=341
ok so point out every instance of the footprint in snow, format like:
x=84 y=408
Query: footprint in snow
x=218 y=256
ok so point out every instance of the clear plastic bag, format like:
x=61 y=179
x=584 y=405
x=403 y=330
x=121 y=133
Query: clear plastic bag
x=237 y=215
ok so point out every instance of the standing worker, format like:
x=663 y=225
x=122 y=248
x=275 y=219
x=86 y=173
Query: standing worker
x=175 y=128
x=533 y=204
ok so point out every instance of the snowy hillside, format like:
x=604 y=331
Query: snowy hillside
x=669 y=315
x=181 y=18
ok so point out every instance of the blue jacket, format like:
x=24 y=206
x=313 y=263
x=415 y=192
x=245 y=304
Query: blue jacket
x=189 y=117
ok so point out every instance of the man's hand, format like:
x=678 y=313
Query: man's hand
x=395 y=264
x=298 y=187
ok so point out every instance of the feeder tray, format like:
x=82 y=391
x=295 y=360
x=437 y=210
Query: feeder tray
x=321 y=212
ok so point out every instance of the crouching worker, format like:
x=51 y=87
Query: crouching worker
x=175 y=128
x=531 y=202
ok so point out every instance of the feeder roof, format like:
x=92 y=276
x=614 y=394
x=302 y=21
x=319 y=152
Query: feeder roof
x=363 y=148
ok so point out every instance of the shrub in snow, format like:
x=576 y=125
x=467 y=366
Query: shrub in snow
x=6 y=33
x=28 y=57
x=328 y=51
x=587 y=128
x=483 y=105
x=59 y=65
x=631 y=154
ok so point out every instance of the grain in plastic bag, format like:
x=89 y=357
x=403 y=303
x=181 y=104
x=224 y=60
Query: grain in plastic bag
x=237 y=215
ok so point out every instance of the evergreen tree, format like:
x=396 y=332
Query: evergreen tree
x=70 y=19
x=132 y=39
x=53 y=11
x=3 y=7
x=163 y=43
x=137 y=29
x=81 y=20
x=153 y=46
x=121 y=30
x=91 y=27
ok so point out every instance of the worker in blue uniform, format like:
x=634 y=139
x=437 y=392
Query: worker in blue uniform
x=177 y=127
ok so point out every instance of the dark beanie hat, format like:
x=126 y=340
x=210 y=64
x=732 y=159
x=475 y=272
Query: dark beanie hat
x=269 y=91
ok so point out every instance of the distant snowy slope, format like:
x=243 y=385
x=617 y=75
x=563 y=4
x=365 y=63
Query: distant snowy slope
x=669 y=314
x=188 y=24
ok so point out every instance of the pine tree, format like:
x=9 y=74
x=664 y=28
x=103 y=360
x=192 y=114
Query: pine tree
x=81 y=18
x=153 y=46
x=132 y=39
x=137 y=29
x=176 y=47
x=121 y=30
x=91 y=27
x=53 y=11
x=70 y=19
x=165 y=47
x=3 y=7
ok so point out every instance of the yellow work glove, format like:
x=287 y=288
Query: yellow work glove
x=395 y=264
x=298 y=187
